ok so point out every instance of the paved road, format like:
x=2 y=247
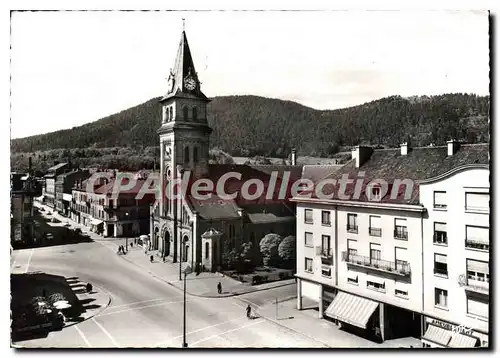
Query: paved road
x=146 y=312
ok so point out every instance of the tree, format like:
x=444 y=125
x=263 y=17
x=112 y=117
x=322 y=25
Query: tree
x=269 y=248
x=287 y=249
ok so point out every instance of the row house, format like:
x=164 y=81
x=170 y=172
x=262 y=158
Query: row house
x=376 y=261
x=123 y=214
x=49 y=192
x=63 y=188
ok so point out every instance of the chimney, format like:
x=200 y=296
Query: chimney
x=362 y=154
x=404 y=148
x=453 y=146
x=294 y=156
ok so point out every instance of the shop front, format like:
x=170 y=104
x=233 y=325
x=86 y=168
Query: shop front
x=442 y=334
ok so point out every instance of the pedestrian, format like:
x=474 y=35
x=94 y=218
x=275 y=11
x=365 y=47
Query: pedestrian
x=131 y=245
x=219 y=288
x=151 y=258
x=164 y=259
x=249 y=311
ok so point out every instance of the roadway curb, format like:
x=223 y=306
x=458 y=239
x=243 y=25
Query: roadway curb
x=96 y=312
x=207 y=296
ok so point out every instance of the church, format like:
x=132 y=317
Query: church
x=196 y=231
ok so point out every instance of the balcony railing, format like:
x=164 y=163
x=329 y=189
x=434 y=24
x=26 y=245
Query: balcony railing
x=373 y=231
x=474 y=285
x=352 y=228
x=401 y=234
x=479 y=245
x=326 y=252
x=380 y=265
x=440 y=238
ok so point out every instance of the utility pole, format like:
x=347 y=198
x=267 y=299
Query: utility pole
x=187 y=271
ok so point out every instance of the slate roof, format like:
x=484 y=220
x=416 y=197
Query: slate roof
x=318 y=172
x=266 y=218
x=214 y=208
x=419 y=164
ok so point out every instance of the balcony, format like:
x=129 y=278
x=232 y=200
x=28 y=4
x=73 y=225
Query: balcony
x=477 y=286
x=378 y=265
x=478 y=245
x=440 y=238
x=373 y=231
x=326 y=255
x=352 y=228
x=401 y=234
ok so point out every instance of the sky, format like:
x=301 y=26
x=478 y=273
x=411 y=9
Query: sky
x=72 y=68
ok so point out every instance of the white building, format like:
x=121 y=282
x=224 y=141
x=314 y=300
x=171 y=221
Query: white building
x=456 y=255
x=366 y=261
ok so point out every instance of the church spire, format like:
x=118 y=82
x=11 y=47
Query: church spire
x=183 y=78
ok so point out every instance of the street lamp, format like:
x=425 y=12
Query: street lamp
x=126 y=237
x=187 y=271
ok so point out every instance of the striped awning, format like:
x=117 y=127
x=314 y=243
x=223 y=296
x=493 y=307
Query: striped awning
x=462 y=341
x=435 y=334
x=351 y=309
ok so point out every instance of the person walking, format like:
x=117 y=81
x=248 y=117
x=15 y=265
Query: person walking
x=249 y=311
x=219 y=288
x=151 y=258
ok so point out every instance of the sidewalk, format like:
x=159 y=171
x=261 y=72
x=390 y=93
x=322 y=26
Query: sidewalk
x=306 y=322
x=203 y=285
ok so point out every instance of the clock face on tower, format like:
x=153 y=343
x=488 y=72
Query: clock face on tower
x=189 y=83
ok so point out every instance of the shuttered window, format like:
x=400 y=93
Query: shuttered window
x=440 y=264
x=308 y=238
x=400 y=222
x=477 y=233
x=440 y=199
x=401 y=254
x=477 y=307
x=477 y=201
x=308 y=216
x=375 y=222
x=440 y=227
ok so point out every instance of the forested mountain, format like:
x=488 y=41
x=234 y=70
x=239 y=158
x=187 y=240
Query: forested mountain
x=251 y=125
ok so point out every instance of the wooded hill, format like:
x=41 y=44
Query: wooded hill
x=249 y=125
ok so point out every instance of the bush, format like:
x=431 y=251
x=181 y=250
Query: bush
x=287 y=249
x=256 y=279
x=56 y=297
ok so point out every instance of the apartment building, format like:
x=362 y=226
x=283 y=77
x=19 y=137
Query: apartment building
x=112 y=216
x=363 y=259
x=63 y=188
x=49 y=193
x=456 y=256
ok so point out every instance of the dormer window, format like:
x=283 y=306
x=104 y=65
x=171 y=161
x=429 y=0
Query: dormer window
x=185 y=113
x=195 y=114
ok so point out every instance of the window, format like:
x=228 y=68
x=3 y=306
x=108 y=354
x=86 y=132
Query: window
x=195 y=154
x=440 y=200
x=477 y=202
x=375 y=253
x=379 y=286
x=375 y=193
x=477 y=237
x=477 y=307
x=195 y=114
x=375 y=226
x=325 y=245
x=352 y=278
x=185 y=112
x=400 y=229
x=352 y=223
x=326 y=270
x=401 y=255
x=308 y=239
x=352 y=248
x=440 y=297
x=308 y=216
x=401 y=293
x=478 y=270
x=309 y=265
x=325 y=218
x=440 y=265
x=440 y=234
x=186 y=155
x=165 y=114
x=111 y=203
x=171 y=113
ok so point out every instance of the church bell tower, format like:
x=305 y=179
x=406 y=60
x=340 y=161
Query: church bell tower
x=184 y=132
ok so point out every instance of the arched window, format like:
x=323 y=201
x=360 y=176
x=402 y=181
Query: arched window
x=195 y=154
x=185 y=113
x=171 y=113
x=186 y=155
x=195 y=114
x=207 y=249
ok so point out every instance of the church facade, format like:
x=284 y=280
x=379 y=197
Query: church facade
x=193 y=230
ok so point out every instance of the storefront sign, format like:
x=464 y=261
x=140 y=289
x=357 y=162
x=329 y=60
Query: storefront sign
x=451 y=327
